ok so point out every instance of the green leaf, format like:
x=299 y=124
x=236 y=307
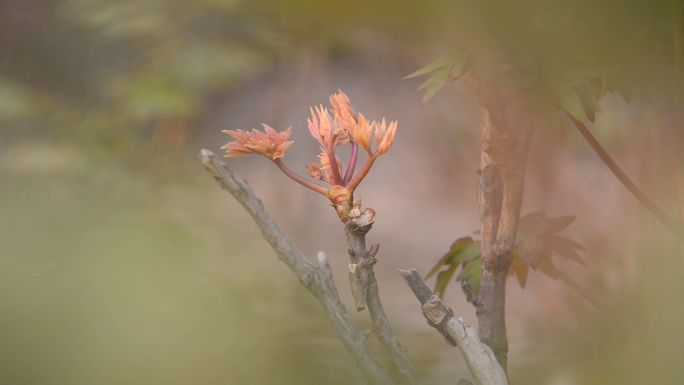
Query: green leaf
x=569 y=101
x=468 y=253
x=471 y=274
x=447 y=259
x=434 y=83
x=454 y=62
x=435 y=65
x=558 y=224
x=537 y=241
x=460 y=243
x=589 y=98
x=599 y=85
x=560 y=240
x=546 y=266
x=520 y=267
x=626 y=94
x=619 y=85
x=453 y=65
x=532 y=223
x=443 y=280
x=564 y=247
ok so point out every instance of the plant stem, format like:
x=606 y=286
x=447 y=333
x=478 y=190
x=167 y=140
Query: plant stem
x=481 y=361
x=364 y=259
x=293 y=175
x=500 y=194
x=362 y=173
x=317 y=280
x=334 y=167
x=351 y=165
x=674 y=226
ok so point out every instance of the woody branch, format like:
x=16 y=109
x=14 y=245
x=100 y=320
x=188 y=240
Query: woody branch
x=317 y=280
x=366 y=293
x=480 y=359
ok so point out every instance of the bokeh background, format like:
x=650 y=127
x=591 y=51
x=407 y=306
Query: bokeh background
x=121 y=262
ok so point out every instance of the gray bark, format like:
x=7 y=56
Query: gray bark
x=480 y=358
x=317 y=280
x=363 y=277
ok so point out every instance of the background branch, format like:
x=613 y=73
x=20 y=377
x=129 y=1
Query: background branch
x=674 y=226
x=480 y=358
x=318 y=280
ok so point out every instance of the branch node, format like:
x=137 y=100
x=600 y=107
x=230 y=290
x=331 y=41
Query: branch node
x=483 y=366
x=434 y=310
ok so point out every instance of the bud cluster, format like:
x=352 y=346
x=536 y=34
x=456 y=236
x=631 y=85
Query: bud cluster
x=331 y=128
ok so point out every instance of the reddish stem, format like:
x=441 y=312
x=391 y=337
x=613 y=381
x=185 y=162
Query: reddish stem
x=335 y=168
x=352 y=164
x=299 y=179
x=362 y=173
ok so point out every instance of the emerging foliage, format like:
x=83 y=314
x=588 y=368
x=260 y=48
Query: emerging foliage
x=537 y=242
x=331 y=128
x=440 y=71
x=573 y=88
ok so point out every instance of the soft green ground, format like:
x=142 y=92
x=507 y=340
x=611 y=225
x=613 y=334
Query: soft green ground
x=115 y=275
x=115 y=271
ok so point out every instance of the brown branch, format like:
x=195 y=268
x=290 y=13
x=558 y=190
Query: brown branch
x=674 y=226
x=481 y=360
x=318 y=280
x=505 y=144
x=491 y=299
x=365 y=287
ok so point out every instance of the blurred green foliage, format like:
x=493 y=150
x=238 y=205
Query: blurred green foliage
x=126 y=272
x=134 y=62
x=103 y=281
x=567 y=55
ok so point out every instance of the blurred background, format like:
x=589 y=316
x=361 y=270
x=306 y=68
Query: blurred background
x=121 y=262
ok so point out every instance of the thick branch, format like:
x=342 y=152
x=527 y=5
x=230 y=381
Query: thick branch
x=505 y=144
x=364 y=278
x=491 y=299
x=317 y=280
x=481 y=360
x=675 y=227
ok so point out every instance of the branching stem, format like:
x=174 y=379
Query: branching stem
x=352 y=163
x=295 y=177
x=362 y=173
x=334 y=167
x=318 y=280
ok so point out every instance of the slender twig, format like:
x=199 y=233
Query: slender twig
x=352 y=164
x=674 y=226
x=318 y=280
x=480 y=358
x=295 y=177
x=334 y=167
x=351 y=186
x=363 y=260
